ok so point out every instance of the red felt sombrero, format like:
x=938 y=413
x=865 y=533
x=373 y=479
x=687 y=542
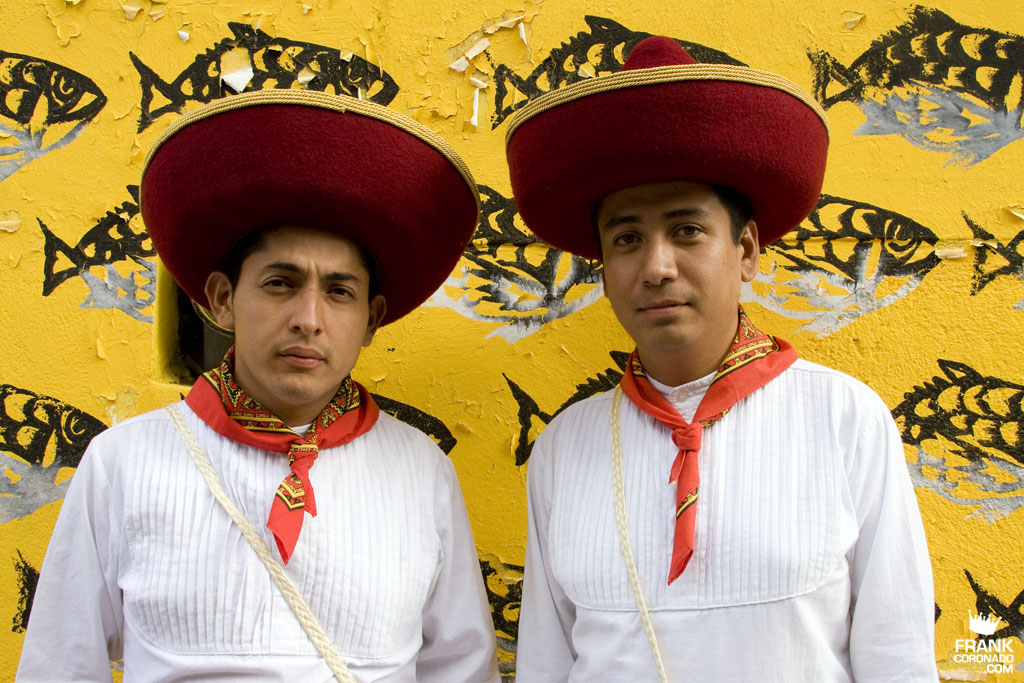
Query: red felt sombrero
x=665 y=117
x=287 y=157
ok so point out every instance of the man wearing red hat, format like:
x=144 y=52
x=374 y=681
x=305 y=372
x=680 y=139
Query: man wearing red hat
x=276 y=525
x=730 y=512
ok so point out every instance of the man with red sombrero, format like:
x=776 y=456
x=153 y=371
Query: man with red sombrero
x=275 y=525
x=730 y=512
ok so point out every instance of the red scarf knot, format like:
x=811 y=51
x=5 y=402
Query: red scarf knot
x=687 y=438
x=228 y=410
x=753 y=359
x=296 y=491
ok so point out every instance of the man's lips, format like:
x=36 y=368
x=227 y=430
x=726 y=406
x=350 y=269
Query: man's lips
x=663 y=305
x=301 y=356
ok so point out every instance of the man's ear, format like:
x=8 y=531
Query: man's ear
x=219 y=293
x=378 y=307
x=750 y=251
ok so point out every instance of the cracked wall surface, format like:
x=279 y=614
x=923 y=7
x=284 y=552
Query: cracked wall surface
x=909 y=275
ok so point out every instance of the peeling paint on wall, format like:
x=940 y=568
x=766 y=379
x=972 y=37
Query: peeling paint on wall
x=504 y=585
x=43 y=107
x=114 y=258
x=847 y=260
x=968 y=430
x=943 y=86
x=42 y=439
x=27 y=578
x=601 y=50
x=908 y=275
x=275 y=63
x=532 y=419
x=998 y=260
x=511 y=277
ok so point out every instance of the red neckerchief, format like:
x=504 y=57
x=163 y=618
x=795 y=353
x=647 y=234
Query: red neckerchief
x=225 y=407
x=753 y=359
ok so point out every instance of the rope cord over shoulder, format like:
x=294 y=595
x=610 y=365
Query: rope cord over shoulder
x=277 y=572
x=624 y=543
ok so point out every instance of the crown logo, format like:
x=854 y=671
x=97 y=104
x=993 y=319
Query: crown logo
x=983 y=624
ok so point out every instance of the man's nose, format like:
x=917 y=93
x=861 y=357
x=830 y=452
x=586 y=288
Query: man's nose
x=659 y=262
x=307 y=311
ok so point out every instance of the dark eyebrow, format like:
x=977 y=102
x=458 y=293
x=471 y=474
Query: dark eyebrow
x=616 y=221
x=284 y=266
x=342 y=277
x=685 y=212
x=688 y=212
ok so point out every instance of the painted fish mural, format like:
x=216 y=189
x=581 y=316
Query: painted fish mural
x=276 y=63
x=532 y=419
x=43 y=106
x=114 y=239
x=433 y=427
x=511 y=277
x=994 y=260
x=940 y=85
x=27 y=576
x=1011 y=613
x=842 y=263
x=40 y=437
x=968 y=430
x=504 y=584
x=600 y=50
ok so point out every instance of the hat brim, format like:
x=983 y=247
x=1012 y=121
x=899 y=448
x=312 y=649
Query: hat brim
x=752 y=131
x=298 y=158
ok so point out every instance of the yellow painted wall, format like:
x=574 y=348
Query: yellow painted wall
x=925 y=305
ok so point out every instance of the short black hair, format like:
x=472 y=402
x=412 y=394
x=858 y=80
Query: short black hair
x=252 y=242
x=736 y=204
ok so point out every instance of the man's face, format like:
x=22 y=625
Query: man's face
x=672 y=270
x=300 y=313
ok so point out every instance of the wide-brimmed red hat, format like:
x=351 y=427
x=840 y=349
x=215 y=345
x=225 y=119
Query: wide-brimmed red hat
x=305 y=158
x=664 y=117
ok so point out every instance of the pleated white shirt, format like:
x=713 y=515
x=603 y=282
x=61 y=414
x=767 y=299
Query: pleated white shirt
x=810 y=562
x=144 y=563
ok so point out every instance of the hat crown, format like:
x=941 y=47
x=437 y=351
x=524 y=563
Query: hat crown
x=657 y=51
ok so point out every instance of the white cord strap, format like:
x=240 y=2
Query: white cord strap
x=277 y=572
x=624 y=543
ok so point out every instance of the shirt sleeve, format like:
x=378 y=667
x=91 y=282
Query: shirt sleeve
x=77 y=602
x=459 y=644
x=892 y=598
x=545 y=649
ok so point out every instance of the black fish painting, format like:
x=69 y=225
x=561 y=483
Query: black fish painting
x=276 y=63
x=941 y=85
x=532 y=419
x=27 y=576
x=1011 y=613
x=603 y=49
x=848 y=259
x=968 y=430
x=425 y=422
x=39 y=437
x=43 y=106
x=112 y=240
x=994 y=260
x=513 y=278
x=504 y=584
